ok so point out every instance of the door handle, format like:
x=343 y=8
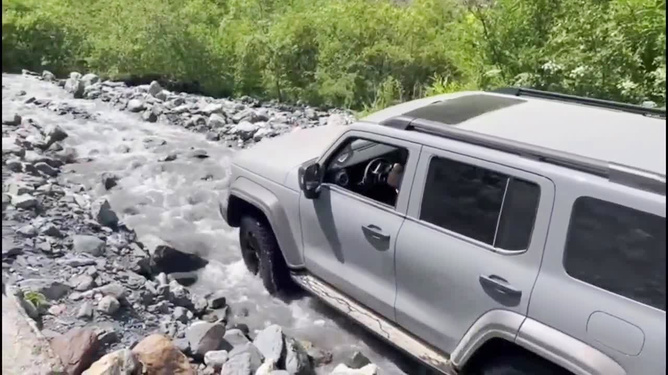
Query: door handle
x=500 y=284
x=375 y=232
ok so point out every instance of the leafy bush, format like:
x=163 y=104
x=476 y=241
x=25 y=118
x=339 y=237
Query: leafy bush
x=363 y=54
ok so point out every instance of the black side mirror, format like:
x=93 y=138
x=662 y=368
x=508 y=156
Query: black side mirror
x=310 y=179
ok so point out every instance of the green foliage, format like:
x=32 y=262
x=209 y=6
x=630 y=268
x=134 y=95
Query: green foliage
x=36 y=298
x=363 y=54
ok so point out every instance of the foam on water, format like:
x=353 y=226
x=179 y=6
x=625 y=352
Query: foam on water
x=177 y=201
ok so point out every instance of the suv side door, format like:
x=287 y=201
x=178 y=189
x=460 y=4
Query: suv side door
x=471 y=243
x=349 y=239
x=603 y=277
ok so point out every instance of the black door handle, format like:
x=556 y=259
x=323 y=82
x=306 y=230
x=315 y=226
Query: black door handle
x=375 y=232
x=500 y=284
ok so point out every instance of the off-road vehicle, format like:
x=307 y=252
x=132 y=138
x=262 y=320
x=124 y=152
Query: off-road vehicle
x=507 y=232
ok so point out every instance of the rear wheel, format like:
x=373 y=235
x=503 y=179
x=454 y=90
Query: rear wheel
x=261 y=254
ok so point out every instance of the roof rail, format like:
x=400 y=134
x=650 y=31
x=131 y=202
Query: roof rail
x=621 y=174
x=632 y=108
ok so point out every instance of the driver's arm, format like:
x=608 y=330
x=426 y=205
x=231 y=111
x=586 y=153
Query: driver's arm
x=394 y=177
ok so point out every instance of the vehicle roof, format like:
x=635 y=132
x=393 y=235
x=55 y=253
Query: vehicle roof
x=599 y=133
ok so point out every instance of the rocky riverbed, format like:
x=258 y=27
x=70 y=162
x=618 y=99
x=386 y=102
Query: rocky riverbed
x=112 y=240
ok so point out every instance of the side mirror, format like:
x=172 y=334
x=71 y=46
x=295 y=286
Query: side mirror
x=309 y=180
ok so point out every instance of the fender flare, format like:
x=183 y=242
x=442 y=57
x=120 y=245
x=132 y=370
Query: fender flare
x=540 y=339
x=267 y=202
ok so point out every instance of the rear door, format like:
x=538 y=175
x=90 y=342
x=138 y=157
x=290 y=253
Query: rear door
x=471 y=243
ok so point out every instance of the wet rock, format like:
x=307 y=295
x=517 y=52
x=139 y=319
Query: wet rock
x=200 y=305
x=85 y=311
x=357 y=361
x=46 y=169
x=251 y=358
x=181 y=314
x=106 y=334
x=159 y=356
x=11 y=119
x=179 y=295
x=296 y=358
x=109 y=180
x=136 y=105
x=103 y=214
x=215 y=359
x=88 y=244
x=198 y=154
x=342 y=369
x=154 y=88
x=74 y=85
x=49 y=288
x=216 y=121
x=48 y=76
x=50 y=230
x=76 y=349
x=319 y=357
x=108 y=305
x=113 y=289
x=90 y=79
x=245 y=130
x=168 y=259
x=120 y=362
x=217 y=300
x=270 y=342
x=150 y=115
x=184 y=278
x=14 y=165
x=24 y=201
x=204 y=337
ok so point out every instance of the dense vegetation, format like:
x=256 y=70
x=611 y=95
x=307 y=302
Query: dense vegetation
x=354 y=53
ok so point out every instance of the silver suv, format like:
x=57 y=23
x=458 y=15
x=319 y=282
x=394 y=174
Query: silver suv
x=507 y=232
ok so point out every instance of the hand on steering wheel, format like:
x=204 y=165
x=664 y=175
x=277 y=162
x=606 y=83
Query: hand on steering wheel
x=376 y=171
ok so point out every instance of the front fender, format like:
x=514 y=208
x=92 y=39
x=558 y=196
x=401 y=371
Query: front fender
x=270 y=205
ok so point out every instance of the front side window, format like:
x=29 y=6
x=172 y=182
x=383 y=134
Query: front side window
x=619 y=249
x=479 y=203
x=368 y=168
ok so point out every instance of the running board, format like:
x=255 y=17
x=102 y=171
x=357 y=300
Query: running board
x=376 y=323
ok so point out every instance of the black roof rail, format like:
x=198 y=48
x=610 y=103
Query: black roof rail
x=617 y=173
x=632 y=108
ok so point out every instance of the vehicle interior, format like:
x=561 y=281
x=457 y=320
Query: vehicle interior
x=363 y=167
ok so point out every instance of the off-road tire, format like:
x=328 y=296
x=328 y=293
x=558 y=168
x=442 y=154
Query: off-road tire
x=516 y=364
x=261 y=254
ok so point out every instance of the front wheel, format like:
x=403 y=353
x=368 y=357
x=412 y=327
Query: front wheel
x=261 y=254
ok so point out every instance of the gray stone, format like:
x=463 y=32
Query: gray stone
x=85 y=311
x=216 y=121
x=14 y=165
x=135 y=105
x=48 y=76
x=245 y=130
x=18 y=188
x=74 y=85
x=114 y=289
x=88 y=244
x=49 y=288
x=297 y=361
x=77 y=262
x=179 y=295
x=217 y=300
x=24 y=201
x=270 y=342
x=239 y=365
x=11 y=119
x=49 y=229
x=150 y=115
x=103 y=214
x=27 y=230
x=90 y=79
x=233 y=338
x=82 y=283
x=216 y=358
x=184 y=278
x=154 y=88
x=108 y=305
x=47 y=169
x=204 y=337
x=181 y=314
x=254 y=357
x=109 y=180
x=55 y=133
x=357 y=361
x=212 y=108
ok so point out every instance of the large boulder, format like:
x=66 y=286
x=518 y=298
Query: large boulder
x=120 y=362
x=74 y=85
x=159 y=356
x=76 y=349
x=90 y=79
x=270 y=342
x=204 y=337
x=166 y=258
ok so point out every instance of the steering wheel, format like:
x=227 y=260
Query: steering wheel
x=376 y=172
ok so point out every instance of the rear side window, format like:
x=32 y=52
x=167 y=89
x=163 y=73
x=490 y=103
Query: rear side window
x=619 y=249
x=481 y=204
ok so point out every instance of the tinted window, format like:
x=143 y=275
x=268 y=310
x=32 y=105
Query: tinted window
x=468 y=200
x=619 y=249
